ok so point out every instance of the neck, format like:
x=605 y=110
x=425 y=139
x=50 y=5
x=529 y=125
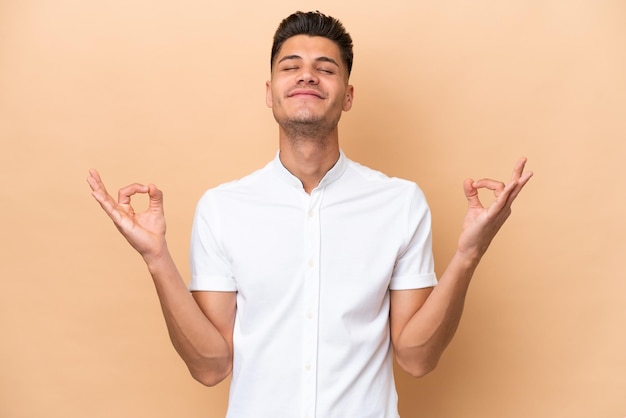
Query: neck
x=309 y=159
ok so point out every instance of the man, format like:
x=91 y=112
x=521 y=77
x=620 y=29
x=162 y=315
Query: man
x=309 y=273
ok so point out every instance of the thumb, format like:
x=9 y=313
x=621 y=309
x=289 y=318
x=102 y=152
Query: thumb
x=471 y=193
x=156 y=198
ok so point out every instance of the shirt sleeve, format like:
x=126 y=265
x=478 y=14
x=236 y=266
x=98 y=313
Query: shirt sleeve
x=415 y=267
x=210 y=267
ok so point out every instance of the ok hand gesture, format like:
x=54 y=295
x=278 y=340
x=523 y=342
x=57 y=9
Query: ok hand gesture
x=481 y=223
x=144 y=231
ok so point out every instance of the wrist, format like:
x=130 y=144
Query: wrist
x=157 y=258
x=468 y=259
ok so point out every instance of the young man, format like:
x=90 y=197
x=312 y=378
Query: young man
x=309 y=273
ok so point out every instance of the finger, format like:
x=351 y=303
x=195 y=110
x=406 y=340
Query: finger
x=93 y=174
x=125 y=193
x=99 y=191
x=504 y=197
x=519 y=169
x=94 y=180
x=106 y=201
x=520 y=185
x=471 y=193
x=520 y=178
x=494 y=185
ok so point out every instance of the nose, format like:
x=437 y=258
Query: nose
x=307 y=76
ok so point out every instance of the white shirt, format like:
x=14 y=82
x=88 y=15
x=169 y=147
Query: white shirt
x=312 y=275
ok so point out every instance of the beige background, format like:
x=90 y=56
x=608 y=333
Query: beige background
x=173 y=93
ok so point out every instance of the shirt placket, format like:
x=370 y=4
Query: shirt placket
x=311 y=301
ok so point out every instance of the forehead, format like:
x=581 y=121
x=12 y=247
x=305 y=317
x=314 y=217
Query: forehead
x=305 y=46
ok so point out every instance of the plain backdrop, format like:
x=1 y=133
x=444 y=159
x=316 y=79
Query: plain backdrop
x=173 y=93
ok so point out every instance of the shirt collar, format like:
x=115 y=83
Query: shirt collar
x=333 y=174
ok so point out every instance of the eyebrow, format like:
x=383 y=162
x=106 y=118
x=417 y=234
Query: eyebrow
x=298 y=57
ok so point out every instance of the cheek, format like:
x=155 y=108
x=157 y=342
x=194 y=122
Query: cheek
x=273 y=95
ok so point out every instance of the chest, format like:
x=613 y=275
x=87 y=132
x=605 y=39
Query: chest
x=345 y=247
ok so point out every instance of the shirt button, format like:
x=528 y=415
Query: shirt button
x=307 y=367
x=311 y=262
x=309 y=315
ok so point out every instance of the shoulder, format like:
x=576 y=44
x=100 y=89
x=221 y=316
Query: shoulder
x=243 y=186
x=371 y=178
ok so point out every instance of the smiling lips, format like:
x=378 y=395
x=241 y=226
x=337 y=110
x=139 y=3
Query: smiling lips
x=305 y=92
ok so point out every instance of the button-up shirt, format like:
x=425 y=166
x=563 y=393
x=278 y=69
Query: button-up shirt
x=312 y=274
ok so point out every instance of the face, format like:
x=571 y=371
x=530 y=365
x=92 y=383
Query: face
x=309 y=84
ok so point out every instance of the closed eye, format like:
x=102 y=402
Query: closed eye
x=289 y=68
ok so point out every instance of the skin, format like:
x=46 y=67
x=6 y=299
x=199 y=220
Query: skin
x=308 y=91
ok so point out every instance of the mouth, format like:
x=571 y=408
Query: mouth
x=305 y=92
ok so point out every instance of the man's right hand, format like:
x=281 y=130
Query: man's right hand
x=144 y=231
x=200 y=325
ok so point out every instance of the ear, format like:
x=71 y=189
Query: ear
x=268 y=94
x=348 y=99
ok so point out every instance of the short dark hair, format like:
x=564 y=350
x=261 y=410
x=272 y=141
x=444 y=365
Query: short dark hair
x=314 y=24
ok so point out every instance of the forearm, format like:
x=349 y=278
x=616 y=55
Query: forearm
x=423 y=327
x=202 y=345
x=429 y=331
x=197 y=340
